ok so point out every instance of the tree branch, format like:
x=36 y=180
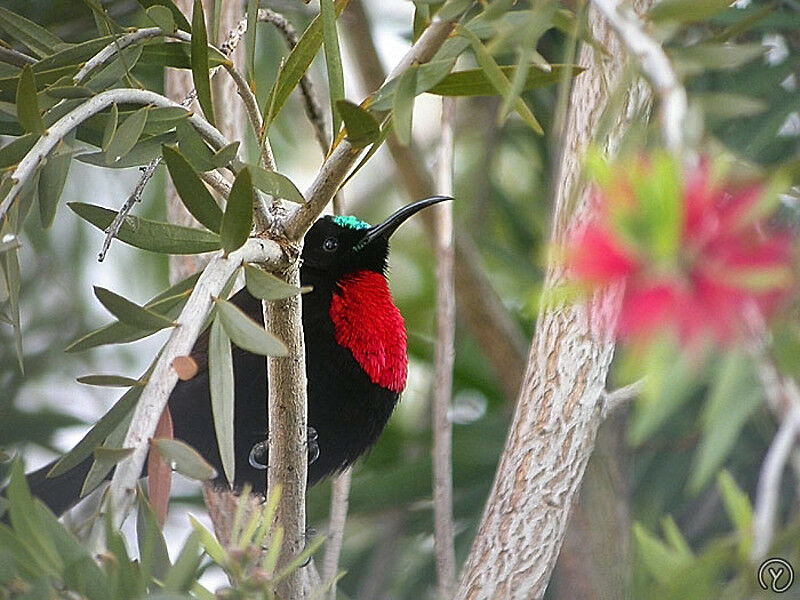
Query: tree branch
x=122 y=492
x=621 y=396
x=340 y=491
x=443 y=364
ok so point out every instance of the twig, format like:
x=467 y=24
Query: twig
x=614 y=399
x=340 y=491
x=45 y=144
x=443 y=364
x=121 y=493
x=310 y=101
x=655 y=66
x=13 y=57
x=221 y=185
x=769 y=483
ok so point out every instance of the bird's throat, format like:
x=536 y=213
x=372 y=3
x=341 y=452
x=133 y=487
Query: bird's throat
x=367 y=323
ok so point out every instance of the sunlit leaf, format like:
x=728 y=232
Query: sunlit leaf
x=150 y=235
x=220 y=368
x=246 y=333
x=193 y=192
x=333 y=60
x=686 y=11
x=202 y=83
x=237 y=221
x=738 y=507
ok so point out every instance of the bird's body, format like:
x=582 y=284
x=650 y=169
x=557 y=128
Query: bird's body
x=356 y=362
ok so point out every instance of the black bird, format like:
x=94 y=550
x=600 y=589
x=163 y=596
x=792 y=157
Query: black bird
x=356 y=363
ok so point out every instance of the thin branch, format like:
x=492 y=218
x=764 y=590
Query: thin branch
x=221 y=185
x=13 y=57
x=122 y=492
x=444 y=532
x=769 y=483
x=310 y=101
x=656 y=66
x=621 y=396
x=340 y=491
x=46 y=143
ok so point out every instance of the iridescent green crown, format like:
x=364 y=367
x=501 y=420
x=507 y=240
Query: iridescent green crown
x=350 y=222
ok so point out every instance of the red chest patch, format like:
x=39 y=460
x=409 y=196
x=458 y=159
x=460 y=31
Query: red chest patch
x=368 y=324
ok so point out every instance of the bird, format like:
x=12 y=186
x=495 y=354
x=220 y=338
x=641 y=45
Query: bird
x=356 y=364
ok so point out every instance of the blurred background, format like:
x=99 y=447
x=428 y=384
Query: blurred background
x=660 y=462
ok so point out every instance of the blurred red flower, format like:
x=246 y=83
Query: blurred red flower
x=693 y=252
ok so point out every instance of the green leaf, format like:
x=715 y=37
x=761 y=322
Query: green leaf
x=452 y=9
x=237 y=221
x=102 y=429
x=738 y=507
x=266 y=286
x=27 y=523
x=145 y=150
x=176 y=12
x=220 y=368
x=296 y=65
x=194 y=147
x=724 y=105
x=16 y=149
x=687 y=11
x=103 y=464
x=131 y=313
x=498 y=78
x=72 y=55
x=184 y=572
x=28 y=112
x=246 y=333
x=333 y=61
x=162 y=17
x=275 y=184
x=200 y=76
x=126 y=135
x=193 y=192
x=209 y=542
x=659 y=560
x=110 y=74
x=52 y=178
x=735 y=395
x=178 y=55
x=69 y=92
x=150 y=235
x=153 y=554
x=10 y=261
x=225 y=155
x=108 y=380
x=168 y=303
x=250 y=41
x=712 y=56
x=403 y=105
x=29 y=34
x=111 y=126
x=184 y=459
x=362 y=127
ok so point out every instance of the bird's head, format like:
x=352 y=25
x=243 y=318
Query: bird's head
x=344 y=244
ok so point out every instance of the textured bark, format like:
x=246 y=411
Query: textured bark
x=559 y=410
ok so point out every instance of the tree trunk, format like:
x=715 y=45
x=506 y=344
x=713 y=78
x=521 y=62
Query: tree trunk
x=558 y=412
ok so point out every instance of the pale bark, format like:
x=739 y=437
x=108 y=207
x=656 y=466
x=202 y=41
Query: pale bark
x=559 y=409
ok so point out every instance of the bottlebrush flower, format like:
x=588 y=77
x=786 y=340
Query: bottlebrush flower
x=694 y=252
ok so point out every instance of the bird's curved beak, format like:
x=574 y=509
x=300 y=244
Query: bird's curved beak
x=385 y=229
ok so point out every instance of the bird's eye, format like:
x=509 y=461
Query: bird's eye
x=330 y=245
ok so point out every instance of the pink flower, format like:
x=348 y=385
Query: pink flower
x=695 y=275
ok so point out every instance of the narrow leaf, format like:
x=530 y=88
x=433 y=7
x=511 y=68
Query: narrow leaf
x=98 y=433
x=184 y=459
x=194 y=147
x=162 y=17
x=275 y=184
x=209 y=542
x=403 y=105
x=150 y=235
x=333 y=60
x=51 y=183
x=153 y=554
x=108 y=380
x=266 y=286
x=237 y=221
x=220 y=368
x=250 y=41
x=129 y=312
x=193 y=192
x=111 y=126
x=126 y=136
x=33 y=36
x=225 y=155
x=246 y=333
x=362 y=127
x=184 y=572
x=16 y=149
x=176 y=12
x=28 y=112
x=200 y=61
